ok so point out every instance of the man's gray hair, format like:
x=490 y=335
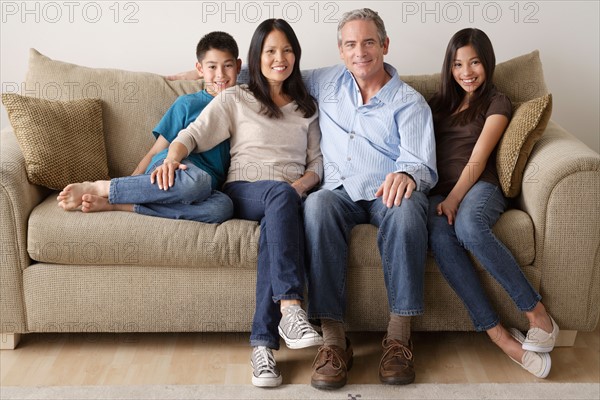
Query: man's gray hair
x=365 y=14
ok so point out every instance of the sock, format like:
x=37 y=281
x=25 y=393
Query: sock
x=333 y=333
x=287 y=309
x=399 y=328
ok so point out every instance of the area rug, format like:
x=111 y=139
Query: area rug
x=562 y=391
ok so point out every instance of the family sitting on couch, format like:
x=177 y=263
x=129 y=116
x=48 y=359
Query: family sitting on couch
x=421 y=173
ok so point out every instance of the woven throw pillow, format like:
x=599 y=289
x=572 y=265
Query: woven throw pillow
x=527 y=125
x=62 y=141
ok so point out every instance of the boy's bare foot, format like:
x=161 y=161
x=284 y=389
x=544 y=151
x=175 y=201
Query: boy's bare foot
x=70 y=198
x=95 y=203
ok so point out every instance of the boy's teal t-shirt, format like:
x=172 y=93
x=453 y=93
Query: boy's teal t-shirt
x=184 y=111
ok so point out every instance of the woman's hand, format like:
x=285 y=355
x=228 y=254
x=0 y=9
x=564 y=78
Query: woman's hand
x=300 y=188
x=164 y=174
x=449 y=208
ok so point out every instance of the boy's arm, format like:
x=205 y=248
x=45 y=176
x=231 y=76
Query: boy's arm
x=160 y=144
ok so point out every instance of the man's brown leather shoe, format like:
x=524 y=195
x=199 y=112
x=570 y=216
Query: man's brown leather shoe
x=397 y=364
x=331 y=366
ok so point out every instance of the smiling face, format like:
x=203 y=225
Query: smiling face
x=362 y=50
x=277 y=57
x=219 y=70
x=467 y=69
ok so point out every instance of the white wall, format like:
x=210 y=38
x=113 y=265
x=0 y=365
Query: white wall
x=160 y=36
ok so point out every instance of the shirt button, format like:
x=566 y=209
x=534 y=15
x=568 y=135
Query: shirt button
x=342 y=178
x=348 y=158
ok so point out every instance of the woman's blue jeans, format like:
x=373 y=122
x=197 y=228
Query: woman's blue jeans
x=280 y=273
x=191 y=197
x=330 y=215
x=472 y=231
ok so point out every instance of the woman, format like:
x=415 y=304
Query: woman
x=470 y=117
x=275 y=160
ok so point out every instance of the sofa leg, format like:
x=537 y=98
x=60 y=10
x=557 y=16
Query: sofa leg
x=9 y=341
x=566 y=338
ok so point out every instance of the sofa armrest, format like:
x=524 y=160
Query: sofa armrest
x=17 y=198
x=561 y=193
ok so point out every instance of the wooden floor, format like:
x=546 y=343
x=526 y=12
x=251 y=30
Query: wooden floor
x=209 y=358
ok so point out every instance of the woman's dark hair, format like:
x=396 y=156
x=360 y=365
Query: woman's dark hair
x=293 y=86
x=447 y=101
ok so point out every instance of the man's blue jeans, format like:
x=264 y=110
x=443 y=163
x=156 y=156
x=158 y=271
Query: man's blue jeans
x=280 y=273
x=329 y=217
x=472 y=231
x=191 y=197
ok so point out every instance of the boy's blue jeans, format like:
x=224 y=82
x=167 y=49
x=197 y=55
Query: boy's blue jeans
x=472 y=232
x=191 y=197
x=280 y=275
x=329 y=217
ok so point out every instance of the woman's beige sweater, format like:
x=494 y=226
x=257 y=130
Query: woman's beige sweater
x=262 y=148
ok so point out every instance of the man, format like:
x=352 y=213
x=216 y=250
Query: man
x=377 y=142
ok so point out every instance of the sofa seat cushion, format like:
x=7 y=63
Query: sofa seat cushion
x=514 y=229
x=121 y=238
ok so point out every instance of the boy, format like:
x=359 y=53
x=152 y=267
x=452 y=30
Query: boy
x=192 y=195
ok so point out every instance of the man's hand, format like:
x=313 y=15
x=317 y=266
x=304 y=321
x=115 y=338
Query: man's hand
x=395 y=187
x=191 y=75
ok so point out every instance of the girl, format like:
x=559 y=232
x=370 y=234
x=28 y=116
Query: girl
x=275 y=160
x=470 y=116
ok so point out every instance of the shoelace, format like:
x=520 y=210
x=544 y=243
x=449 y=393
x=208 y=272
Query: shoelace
x=330 y=355
x=264 y=361
x=299 y=321
x=398 y=349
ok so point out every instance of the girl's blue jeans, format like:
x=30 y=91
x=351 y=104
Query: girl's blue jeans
x=472 y=232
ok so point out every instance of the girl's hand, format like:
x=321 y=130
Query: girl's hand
x=164 y=175
x=448 y=207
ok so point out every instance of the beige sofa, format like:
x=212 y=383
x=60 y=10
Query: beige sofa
x=122 y=272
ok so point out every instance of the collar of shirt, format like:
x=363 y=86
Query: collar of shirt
x=386 y=94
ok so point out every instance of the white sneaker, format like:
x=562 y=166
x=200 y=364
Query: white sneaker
x=538 y=364
x=265 y=372
x=295 y=329
x=541 y=341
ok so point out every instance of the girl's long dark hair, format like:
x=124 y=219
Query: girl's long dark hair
x=293 y=86
x=447 y=101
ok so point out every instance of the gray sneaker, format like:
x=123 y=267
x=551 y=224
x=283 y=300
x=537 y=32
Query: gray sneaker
x=265 y=372
x=295 y=329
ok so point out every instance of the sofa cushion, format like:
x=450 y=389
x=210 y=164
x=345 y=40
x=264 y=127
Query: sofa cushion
x=527 y=125
x=62 y=141
x=75 y=238
x=133 y=102
x=521 y=78
x=514 y=229
x=107 y=238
